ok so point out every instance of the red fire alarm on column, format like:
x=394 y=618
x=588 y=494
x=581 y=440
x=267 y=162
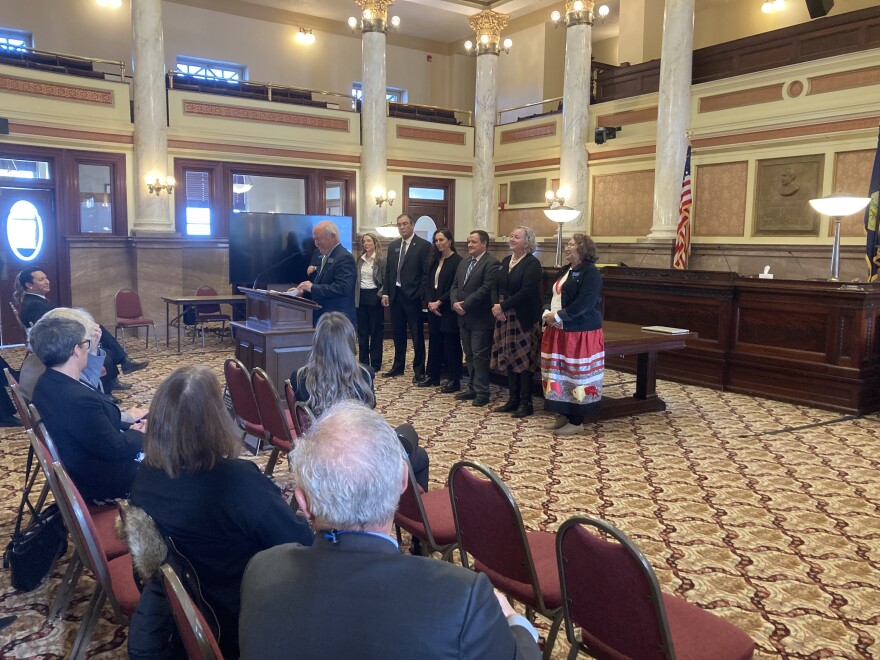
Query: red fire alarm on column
x=429 y=58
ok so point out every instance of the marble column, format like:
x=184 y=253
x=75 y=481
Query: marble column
x=487 y=26
x=374 y=125
x=673 y=115
x=573 y=175
x=152 y=212
x=484 y=141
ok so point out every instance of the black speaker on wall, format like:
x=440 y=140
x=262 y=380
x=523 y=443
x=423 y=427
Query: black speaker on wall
x=819 y=8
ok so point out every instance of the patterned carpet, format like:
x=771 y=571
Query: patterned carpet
x=764 y=513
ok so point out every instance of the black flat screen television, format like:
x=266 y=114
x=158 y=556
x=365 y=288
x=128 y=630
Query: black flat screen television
x=276 y=248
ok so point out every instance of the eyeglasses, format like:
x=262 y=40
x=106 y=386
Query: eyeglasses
x=87 y=343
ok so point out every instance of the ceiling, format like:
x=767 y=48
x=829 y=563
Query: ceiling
x=439 y=23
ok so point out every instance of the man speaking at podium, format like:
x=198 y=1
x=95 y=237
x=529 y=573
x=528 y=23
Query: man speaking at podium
x=333 y=287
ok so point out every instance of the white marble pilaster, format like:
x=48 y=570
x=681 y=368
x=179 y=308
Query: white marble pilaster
x=152 y=212
x=484 y=140
x=673 y=115
x=374 y=129
x=573 y=173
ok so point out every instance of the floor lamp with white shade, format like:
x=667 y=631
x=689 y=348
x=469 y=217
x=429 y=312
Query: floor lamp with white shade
x=837 y=207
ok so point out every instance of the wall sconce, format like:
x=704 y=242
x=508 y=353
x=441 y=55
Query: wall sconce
x=110 y=4
x=382 y=197
x=157 y=185
x=305 y=36
x=837 y=207
x=603 y=12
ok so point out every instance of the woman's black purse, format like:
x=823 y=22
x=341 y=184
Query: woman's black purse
x=33 y=551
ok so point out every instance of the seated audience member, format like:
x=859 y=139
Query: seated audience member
x=217 y=510
x=7 y=408
x=334 y=374
x=31 y=287
x=32 y=368
x=99 y=450
x=353 y=594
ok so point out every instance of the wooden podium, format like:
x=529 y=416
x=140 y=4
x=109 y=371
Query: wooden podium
x=277 y=334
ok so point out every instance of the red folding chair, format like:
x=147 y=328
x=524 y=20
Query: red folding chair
x=244 y=405
x=300 y=414
x=209 y=313
x=490 y=528
x=129 y=314
x=198 y=640
x=428 y=517
x=114 y=577
x=611 y=592
x=275 y=422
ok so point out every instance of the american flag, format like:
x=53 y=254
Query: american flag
x=872 y=213
x=683 y=233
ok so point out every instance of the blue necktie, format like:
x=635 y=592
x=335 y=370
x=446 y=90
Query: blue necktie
x=470 y=268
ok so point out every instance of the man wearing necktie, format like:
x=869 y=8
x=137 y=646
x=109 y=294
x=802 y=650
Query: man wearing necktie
x=406 y=274
x=472 y=296
x=334 y=283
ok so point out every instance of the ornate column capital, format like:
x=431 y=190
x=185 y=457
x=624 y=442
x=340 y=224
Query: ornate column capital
x=487 y=26
x=578 y=12
x=374 y=14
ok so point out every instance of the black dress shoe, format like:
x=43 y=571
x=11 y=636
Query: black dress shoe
x=393 y=373
x=418 y=378
x=116 y=384
x=429 y=382
x=10 y=422
x=480 y=400
x=451 y=387
x=130 y=366
x=467 y=395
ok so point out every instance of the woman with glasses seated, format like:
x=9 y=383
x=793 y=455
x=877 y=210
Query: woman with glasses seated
x=333 y=374
x=98 y=449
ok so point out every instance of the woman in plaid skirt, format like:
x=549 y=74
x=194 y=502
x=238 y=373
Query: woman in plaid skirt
x=516 y=345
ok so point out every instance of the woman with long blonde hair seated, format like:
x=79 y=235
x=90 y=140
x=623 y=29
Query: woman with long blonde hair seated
x=333 y=374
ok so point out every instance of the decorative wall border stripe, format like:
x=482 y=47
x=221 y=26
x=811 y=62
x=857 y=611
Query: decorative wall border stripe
x=430 y=135
x=835 y=82
x=424 y=165
x=528 y=165
x=792 y=132
x=530 y=133
x=753 y=96
x=261 y=151
x=628 y=117
x=622 y=153
x=31 y=87
x=236 y=112
x=68 y=133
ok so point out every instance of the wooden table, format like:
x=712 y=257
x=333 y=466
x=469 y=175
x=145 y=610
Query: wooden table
x=182 y=302
x=623 y=339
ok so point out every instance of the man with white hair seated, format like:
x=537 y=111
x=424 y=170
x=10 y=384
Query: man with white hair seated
x=353 y=594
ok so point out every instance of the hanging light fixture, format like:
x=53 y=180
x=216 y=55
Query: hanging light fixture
x=241 y=183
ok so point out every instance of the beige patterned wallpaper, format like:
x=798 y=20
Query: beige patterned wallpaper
x=509 y=219
x=623 y=204
x=720 y=199
x=852 y=174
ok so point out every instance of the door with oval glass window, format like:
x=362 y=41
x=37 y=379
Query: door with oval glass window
x=27 y=240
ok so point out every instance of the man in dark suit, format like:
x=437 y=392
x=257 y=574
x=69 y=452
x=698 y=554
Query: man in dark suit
x=353 y=594
x=31 y=288
x=334 y=282
x=406 y=273
x=472 y=299
x=99 y=450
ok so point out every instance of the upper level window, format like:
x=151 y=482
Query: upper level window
x=15 y=39
x=211 y=69
x=19 y=168
x=395 y=94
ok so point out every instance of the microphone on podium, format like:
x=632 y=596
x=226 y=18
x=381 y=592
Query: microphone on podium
x=275 y=265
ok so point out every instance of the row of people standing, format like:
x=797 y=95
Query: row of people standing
x=492 y=313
